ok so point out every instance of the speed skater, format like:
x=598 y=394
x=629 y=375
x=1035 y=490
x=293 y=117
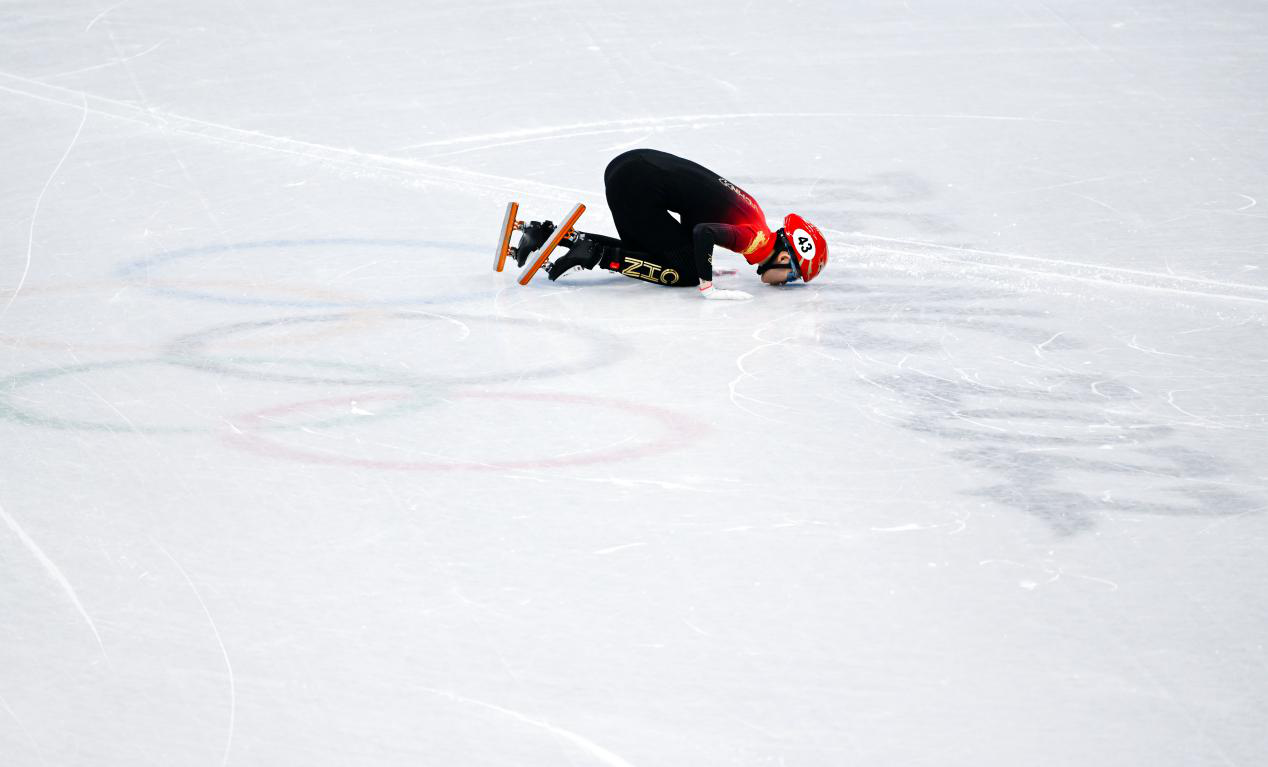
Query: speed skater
x=645 y=187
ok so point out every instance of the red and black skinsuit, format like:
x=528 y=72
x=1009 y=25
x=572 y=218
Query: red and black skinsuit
x=644 y=186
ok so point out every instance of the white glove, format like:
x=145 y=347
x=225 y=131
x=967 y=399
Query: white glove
x=716 y=294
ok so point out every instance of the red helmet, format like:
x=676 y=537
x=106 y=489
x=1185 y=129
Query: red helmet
x=806 y=247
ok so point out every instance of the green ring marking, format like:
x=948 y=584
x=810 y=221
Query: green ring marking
x=421 y=397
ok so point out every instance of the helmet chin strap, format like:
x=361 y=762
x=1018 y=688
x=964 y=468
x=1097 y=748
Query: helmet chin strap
x=772 y=261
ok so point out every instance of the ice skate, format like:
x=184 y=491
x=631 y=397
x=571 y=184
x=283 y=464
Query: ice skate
x=584 y=253
x=509 y=226
x=532 y=262
x=532 y=235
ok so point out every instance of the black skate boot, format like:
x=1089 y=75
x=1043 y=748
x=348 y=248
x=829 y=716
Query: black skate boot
x=533 y=237
x=583 y=253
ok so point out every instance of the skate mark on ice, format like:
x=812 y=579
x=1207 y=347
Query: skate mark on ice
x=639 y=140
x=733 y=387
x=1062 y=185
x=696 y=628
x=157 y=119
x=103 y=14
x=466 y=329
x=911 y=527
x=55 y=573
x=35 y=746
x=112 y=63
x=1104 y=205
x=1039 y=347
x=141 y=273
x=585 y=744
x=1073 y=270
x=233 y=686
x=874 y=198
x=891 y=187
x=1136 y=345
x=1052 y=571
x=1035 y=425
x=576 y=134
x=547 y=133
x=620 y=547
x=35 y=214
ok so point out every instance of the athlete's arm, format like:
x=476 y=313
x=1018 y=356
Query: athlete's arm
x=704 y=238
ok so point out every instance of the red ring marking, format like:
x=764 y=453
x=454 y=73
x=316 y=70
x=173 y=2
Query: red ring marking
x=680 y=432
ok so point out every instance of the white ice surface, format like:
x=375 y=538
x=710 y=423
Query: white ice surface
x=289 y=476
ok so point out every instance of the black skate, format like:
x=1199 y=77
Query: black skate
x=583 y=254
x=532 y=237
x=564 y=232
x=535 y=235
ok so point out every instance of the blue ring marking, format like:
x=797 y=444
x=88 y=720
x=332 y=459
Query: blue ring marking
x=128 y=270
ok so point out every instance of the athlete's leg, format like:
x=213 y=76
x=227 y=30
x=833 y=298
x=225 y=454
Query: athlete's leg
x=590 y=250
x=658 y=268
x=637 y=201
x=653 y=246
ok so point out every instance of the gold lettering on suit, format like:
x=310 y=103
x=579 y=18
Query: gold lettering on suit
x=648 y=272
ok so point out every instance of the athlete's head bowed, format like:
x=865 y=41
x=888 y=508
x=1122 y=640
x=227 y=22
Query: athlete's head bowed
x=800 y=252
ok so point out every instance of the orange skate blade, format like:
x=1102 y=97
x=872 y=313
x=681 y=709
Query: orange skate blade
x=565 y=227
x=508 y=226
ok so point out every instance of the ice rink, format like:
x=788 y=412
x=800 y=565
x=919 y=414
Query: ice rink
x=290 y=476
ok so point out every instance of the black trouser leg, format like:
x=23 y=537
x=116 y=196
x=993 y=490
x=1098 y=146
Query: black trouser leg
x=660 y=269
x=652 y=268
x=655 y=247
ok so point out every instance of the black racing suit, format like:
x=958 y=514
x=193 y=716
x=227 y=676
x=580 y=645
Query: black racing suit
x=645 y=185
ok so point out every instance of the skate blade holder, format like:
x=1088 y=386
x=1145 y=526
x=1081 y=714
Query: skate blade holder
x=565 y=229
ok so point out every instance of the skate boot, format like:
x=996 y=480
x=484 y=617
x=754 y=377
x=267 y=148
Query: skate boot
x=560 y=234
x=583 y=253
x=538 y=239
x=532 y=237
